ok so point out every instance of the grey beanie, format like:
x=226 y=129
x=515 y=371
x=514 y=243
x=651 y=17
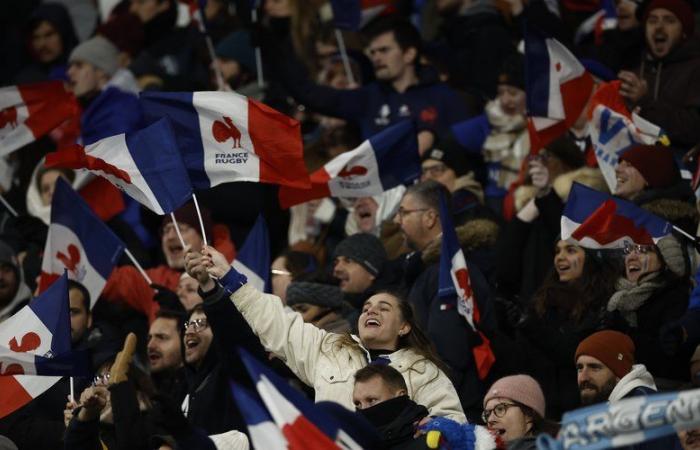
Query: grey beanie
x=315 y=294
x=672 y=254
x=99 y=52
x=365 y=249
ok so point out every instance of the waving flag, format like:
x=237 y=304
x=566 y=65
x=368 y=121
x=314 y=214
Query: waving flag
x=454 y=282
x=303 y=425
x=263 y=431
x=557 y=86
x=78 y=243
x=352 y=15
x=253 y=258
x=472 y=133
x=226 y=137
x=615 y=130
x=29 y=111
x=604 y=19
x=597 y=220
x=386 y=160
x=41 y=329
x=145 y=164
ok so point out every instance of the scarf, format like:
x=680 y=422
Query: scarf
x=630 y=296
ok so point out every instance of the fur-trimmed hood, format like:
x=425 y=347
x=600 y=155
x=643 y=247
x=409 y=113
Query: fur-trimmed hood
x=473 y=234
x=588 y=176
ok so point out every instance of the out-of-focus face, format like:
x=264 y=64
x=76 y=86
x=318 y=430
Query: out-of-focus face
x=47 y=184
x=84 y=78
x=354 y=278
x=663 y=32
x=365 y=212
x=80 y=316
x=164 y=345
x=568 y=261
x=435 y=170
x=512 y=424
x=281 y=277
x=626 y=18
x=595 y=380
x=630 y=181
x=187 y=292
x=198 y=337
x=415 y=225
x=172 y=248
x=277 y=8
x=310 y=313
x=641 y=260
x=380 y=324
x=9 y=283
x=690 y=439
x=446 y=7
x=46 y=42
x=146 y=10
x=390 y=62
x=368 y=393
x=512 y=99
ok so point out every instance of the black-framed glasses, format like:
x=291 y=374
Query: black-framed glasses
x=637 y=248
x=499 y=410
x=401 y=213
x=196 y=324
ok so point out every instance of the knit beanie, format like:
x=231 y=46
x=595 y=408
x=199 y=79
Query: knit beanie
x=125 y=31
x=567 y=151
x=187 y=214
x=451 y=154
x=680 y=8
x=520 y=388
x=237 y=47
x=365 y=249
x=99 y=52
x=654 y=162
x=317 y=294
x=512 y=71
x=612 y=348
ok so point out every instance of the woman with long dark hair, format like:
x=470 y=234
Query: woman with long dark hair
x=387 y=334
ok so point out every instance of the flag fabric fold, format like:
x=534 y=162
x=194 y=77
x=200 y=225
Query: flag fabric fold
x=78 y=243
x=352 y=15
x=602 y=20
x=597 y=220
x=146 y=164
x=454 y=285
x=262 y=429
x=29 y=111
x=253 y=258
x=226 y=137
x=386 y=160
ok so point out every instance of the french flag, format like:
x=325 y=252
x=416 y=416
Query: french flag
x=226 y=137
x=146 y=164
x=604 y=19
x=29 y=111
x=454 y=282
x=558 y=88
x=386 y=160
x=597 y=220
x=78 y=243
x=303 y=425
x=253 y=258
x=352 y=15
x=262 y=429
x=615 y=130
x=40 y=329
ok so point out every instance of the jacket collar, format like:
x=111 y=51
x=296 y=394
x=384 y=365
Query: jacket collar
x=639 y=376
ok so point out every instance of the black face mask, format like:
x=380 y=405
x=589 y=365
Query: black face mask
x=386 y=411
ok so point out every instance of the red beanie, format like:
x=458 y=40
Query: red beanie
x=654 y=162
x=680 y=8
x=612 y=348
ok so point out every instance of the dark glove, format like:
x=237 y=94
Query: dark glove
x=671 y=337
x=512 y=312
x=166 y=298
x=168 y=417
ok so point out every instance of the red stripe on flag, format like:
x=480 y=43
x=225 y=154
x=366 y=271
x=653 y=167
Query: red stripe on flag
x=13 y=397
x=105 y=200
x=289 y=196
x=604 y=226
x=277 y=142
x=303 y=435
x=74 y=157
x=483 y=357
x=48 y=105
x=46 y=280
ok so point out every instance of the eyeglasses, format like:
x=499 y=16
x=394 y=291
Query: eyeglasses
x=637 y=248
x=196 y=324
x=101 y=379
x=401 y=213
x=434 y=170
x=499 y=410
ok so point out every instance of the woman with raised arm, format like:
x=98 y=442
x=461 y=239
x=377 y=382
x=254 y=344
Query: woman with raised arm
x=326 y=361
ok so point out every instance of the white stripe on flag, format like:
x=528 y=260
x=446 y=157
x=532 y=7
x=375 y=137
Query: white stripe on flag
x=283 y=412
x=267 y=435
x=253 y=278
x=362 y=173
x=563 y=67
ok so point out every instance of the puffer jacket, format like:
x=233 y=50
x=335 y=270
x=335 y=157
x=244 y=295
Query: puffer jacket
x=328 y=364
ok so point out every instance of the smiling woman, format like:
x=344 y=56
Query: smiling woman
x=327 y=361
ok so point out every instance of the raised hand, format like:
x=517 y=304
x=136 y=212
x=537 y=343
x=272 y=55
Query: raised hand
x=196 y=266
x=215 y=261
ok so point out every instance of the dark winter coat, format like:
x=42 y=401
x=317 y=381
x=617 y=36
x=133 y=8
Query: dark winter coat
x=675 y=203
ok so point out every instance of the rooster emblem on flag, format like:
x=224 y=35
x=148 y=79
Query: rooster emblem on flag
x=223 y=131
x=72 y=261
x=8 y=116
x=348 y=172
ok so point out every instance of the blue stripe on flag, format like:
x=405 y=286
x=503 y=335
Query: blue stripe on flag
x=396 y=151
x=536 y=74
x=52 y=308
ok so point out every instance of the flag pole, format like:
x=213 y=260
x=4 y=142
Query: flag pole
x=210 y=48
x=344 y=56
x=8 y=206
x=258 y=53
x=199 y=215
x=72 y=391
x=138 y=266
x=177 y=230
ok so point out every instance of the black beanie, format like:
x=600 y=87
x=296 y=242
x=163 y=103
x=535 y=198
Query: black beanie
x=512 y=71
x=451 y=154
x=567 y=151
x=365 y=249
x=315 y=294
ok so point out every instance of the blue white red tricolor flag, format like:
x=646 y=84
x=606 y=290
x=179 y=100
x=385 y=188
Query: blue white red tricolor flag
x=603 y=19
x=454 y=282
x=29 y=111
x=596 y=220
x=303 y=425
x=614 y=130
x=42 y=330
x=386 y=160
x=253 y=258
x=558 y=88
x=78 y=243
x=262 y=429
x=146 y=164
x=226 y=137
x=352 y=15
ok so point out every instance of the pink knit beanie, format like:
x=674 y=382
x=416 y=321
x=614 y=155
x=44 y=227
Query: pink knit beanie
x=520 y=388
